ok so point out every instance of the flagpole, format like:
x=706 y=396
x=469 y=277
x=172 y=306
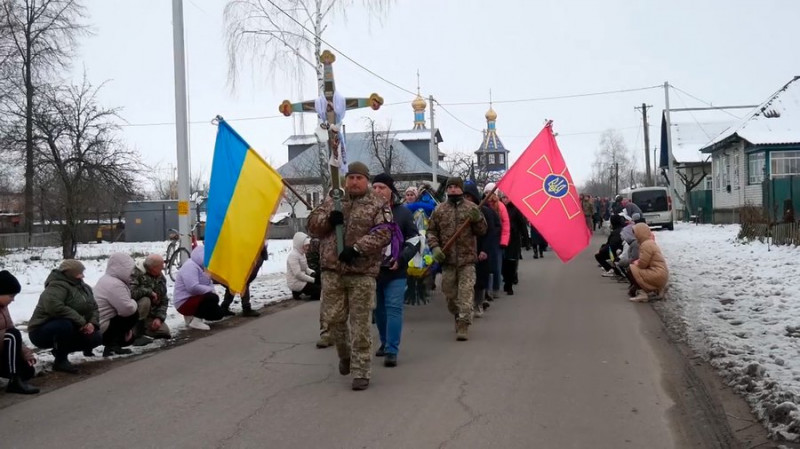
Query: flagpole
x=181 y=124
x=302 y=200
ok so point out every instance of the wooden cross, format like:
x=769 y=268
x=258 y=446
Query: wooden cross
x=287 y=108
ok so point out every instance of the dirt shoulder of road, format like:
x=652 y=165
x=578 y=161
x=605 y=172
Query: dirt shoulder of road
x=49 y=381
x=709 y=408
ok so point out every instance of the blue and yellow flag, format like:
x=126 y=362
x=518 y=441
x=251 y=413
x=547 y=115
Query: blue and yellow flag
x=242 y=197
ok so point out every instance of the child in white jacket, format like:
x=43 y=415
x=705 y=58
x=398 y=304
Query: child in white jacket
x=299 y=277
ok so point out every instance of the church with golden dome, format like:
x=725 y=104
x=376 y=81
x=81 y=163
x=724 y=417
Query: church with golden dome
x=492 y=154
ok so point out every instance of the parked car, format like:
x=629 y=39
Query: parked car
x=656 y=205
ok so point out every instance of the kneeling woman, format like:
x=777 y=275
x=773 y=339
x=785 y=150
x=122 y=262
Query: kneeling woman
x=649 y=273
x=16 y=363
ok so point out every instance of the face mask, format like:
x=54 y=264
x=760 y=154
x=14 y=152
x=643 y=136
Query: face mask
x=455 y=198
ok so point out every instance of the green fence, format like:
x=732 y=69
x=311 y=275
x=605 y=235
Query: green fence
x=701 y=205
x=776 y=192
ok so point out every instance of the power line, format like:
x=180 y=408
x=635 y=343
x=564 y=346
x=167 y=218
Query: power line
x=704 y=102
x=458 y=119
x=199 y=122
x=339 y=51
x=559 y=97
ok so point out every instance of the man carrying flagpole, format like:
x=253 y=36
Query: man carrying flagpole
x=348 y=278
x=459 y=257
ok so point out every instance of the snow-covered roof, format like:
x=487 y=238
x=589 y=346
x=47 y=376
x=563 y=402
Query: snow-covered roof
x=359 y=149
x=279 y=216
x=688 y=138
x=309 y=139
x=774 y=122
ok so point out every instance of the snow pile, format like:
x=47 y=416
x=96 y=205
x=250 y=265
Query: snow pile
x=32 y=266
x=738 y=304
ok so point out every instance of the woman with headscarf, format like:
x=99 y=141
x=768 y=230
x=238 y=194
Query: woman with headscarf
x=66 y=317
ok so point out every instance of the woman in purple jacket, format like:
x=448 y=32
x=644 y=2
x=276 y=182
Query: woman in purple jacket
x=194 y=296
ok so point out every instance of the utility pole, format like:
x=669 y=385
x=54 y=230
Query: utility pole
x=616 y=177
x=644 y=107
x=181 y=124
x=670 y=163
x=434 y=152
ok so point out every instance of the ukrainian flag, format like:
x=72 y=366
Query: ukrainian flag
x=242 y=197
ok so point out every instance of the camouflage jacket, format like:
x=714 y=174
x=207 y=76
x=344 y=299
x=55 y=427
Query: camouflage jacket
x=361 y=214
x=445 y=220
x=142 y=284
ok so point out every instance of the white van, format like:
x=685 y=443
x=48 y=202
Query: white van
x=656 y=205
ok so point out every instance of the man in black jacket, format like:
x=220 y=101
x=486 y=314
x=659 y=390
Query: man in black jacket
x=391 y=285
x=612 y=247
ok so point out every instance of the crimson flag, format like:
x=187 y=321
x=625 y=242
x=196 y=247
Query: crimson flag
x=541 y=187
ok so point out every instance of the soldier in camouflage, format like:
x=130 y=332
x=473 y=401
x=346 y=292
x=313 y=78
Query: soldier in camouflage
x=149 y=290
x=348 y=279
x=458 y=273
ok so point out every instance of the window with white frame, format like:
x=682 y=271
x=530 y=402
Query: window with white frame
x=502 y=158
x=708 y=183
x=784 y=163
x=755 y=168
x=735 y=180
x=717 y=163
x=316 y=199
x=491 y=159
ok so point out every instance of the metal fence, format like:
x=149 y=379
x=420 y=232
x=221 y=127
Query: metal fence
x=20 y=240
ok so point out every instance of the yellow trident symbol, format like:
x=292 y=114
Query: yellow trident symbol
x=556 y=186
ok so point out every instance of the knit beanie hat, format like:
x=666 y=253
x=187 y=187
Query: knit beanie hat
x=489 y=187
x=413 y=189
x=358 y=168
x=9 y=285
x=455 y=181
x=383 y=178
x=71 y=267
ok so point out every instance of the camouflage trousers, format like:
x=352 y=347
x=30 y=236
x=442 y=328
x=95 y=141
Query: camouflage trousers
x=347 y=309
x=457 y=285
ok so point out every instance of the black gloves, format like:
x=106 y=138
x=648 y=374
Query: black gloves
x=348 y=255
x=335 y=218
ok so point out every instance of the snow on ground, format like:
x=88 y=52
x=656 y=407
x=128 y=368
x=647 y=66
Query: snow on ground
x=738 y=303
x=32 y=266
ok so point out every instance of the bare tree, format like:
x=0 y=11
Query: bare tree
x=286 y=35
x=691 y=175
x=464 y=166
x=164 y=183
x=381 y=147
x=40 y=36
x=77 y=146
x=612 y=166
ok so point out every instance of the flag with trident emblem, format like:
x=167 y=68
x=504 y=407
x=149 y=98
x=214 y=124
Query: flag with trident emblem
x=541 y=187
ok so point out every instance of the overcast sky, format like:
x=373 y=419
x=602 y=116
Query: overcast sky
x=722 y=51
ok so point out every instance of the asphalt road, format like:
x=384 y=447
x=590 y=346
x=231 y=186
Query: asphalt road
x=567 y=362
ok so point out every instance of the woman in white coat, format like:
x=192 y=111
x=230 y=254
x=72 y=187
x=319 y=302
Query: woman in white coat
x=299 y=277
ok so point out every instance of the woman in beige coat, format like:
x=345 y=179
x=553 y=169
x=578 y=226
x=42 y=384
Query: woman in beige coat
x=649 y=272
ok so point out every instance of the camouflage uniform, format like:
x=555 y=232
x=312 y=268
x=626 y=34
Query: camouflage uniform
x=349 y=289
x=142 y=286
x=458 y=271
